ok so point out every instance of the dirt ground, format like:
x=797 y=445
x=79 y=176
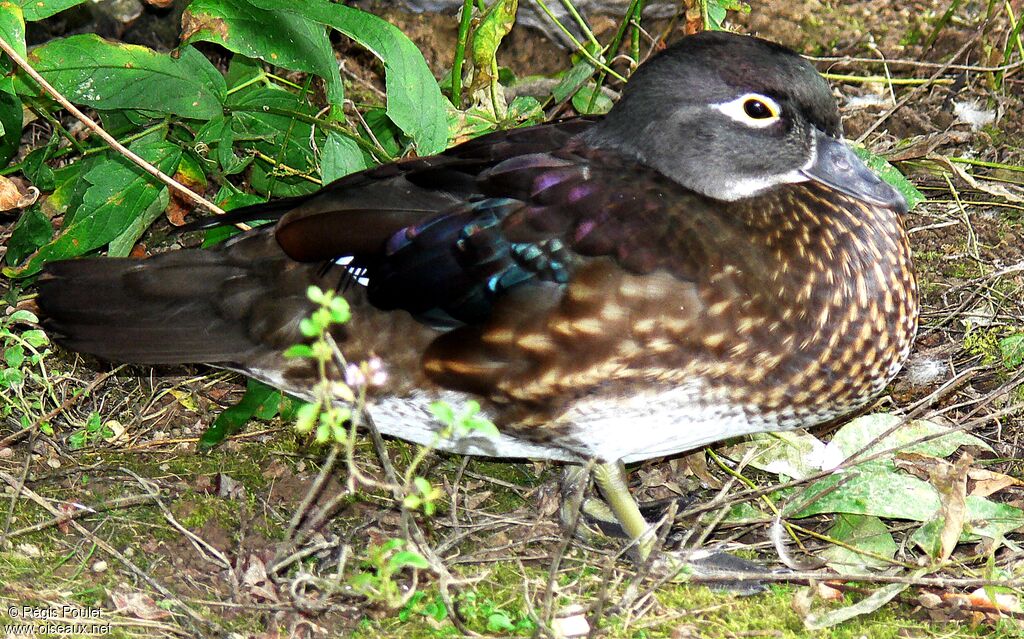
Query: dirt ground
x=203 y=529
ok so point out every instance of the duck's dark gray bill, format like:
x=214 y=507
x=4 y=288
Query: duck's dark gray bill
x=836 y=165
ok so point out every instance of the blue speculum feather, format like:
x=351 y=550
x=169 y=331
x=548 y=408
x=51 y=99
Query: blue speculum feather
x=452 y=268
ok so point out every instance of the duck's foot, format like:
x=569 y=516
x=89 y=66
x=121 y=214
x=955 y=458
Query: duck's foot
x=596 y=517
x=618 y=515
x=712 y=568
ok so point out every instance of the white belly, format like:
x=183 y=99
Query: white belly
x=643 y=426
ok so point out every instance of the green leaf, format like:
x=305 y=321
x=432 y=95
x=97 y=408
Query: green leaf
x=121 y=246
x=339 y=157
x=118 y=193
x=35 y=338
x=14 y=356
x=589 y=100
x=298 y=350
x=272 y=121
x=106 y=75
x=232 y=419
x=1012 y=350
x=40 y=9
x=32 y=231
x=12 y=26
x=871 y=488
x=10 y=123
x=891 y=174
x=492 y=28
x=573 y=79
x=288 y=40
x=864 y=533
x=414 y=101
x=444 y=412
x=407 y=559
x=854 y=436
x=789 y=453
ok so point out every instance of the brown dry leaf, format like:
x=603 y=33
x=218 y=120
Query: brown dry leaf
x=176 y=212
x=473 y=499
x=987 y=482
x=929 y=600
x=697 y=464
x=256 y=582
x=918 y=465
x=14 y=196
x=951 y=482
x=138 y=604
x=139 y=251
x=828 y=593
x=180 y=205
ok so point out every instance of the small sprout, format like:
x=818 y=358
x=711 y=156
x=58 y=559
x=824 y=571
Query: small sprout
x=468 y=421
x=306 y=417
x=425 y=496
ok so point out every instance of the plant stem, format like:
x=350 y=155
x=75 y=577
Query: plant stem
x=460 y=52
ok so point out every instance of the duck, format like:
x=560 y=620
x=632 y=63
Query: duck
x=708 y=260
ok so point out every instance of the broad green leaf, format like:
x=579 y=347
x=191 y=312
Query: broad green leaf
x=118 y=192
x=854 y=436
x=891 y=174
x=862 y=532
x=591 y=101
x=272 y=122
x=10 y=122
x=795 y=454
x=494 y=25
x=414 y=101
x=12 y=26
x=40 y=9
x=121 y=246
x=12 y=30
x=1012 y=350
x=106 y=75
x=36 y=169
x=288 y=40
x=871 y=488
x=408 y=559
x=32 y=231
x=573 y=79
x=232 y=419
x=339 y=157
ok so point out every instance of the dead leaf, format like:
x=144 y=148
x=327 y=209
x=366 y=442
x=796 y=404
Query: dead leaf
x=697 y=464
x=138 y=604
x=951 y=482
x=987 y=482
x=12 y=197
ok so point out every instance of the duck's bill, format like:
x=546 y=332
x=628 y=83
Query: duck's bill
x=837 y=166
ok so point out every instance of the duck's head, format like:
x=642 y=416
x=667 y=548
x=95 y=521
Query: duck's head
x=732 y=116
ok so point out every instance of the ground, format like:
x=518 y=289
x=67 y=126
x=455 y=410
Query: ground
x=180 y=543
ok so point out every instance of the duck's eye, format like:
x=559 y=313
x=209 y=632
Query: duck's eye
x=751 y=109
x=757 y=109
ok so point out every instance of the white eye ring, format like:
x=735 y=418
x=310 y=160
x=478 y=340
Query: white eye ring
x=740 y=109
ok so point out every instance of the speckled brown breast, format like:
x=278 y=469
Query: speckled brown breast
x=792 y=309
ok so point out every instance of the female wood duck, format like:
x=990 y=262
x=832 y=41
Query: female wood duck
x=706 y=261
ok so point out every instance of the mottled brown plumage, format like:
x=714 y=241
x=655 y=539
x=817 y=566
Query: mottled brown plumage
x=706 y=261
